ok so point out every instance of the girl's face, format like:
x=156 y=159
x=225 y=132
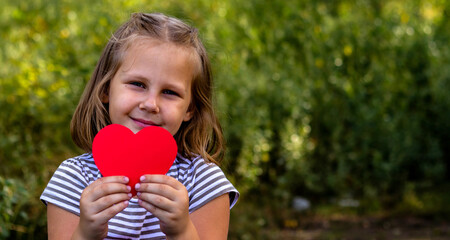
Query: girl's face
x=152 y=87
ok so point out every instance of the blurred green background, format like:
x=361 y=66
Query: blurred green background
x=337 y=102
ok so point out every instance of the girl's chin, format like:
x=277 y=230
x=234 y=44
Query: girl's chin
x=134 y=128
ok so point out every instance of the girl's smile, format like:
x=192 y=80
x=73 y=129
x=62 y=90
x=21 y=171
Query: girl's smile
x=152 y=87
x=143 y=123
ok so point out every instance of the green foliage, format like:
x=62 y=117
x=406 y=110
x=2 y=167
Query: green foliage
x=21 y=218
x=317 y=98
x=337 y=98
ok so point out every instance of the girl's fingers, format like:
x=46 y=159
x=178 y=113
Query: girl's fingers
x=104 y=216
x=157 y=201
x=110 y=212
x=162 y=179
x=108 y=189
x=162 y=195
x=107 y=201
x=170 y=214
x=162 y=212
x=104 y=193
x=166 y=198
x=107 y=186
x=162 y=185
x=151 y=208
x=92 y=208
x=162 y=192
x=111 y=179
x=158 y=189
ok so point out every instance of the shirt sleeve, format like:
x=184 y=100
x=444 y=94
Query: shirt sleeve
x=207 y=183
x=65 y=187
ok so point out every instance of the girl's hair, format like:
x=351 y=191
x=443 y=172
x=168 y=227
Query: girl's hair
x=202 y=135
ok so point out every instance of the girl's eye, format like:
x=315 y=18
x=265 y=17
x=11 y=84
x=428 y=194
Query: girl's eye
x=138 y=84
x=170 y=92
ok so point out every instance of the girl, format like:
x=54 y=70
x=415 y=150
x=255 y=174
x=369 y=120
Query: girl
x=153 y=71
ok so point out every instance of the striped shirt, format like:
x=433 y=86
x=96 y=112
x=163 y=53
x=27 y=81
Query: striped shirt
x=203 y=181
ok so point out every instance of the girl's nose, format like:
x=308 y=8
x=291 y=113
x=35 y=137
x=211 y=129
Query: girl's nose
x=149 y=104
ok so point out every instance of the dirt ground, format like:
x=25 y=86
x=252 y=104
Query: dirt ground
x=403 y=228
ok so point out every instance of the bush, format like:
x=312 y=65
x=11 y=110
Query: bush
x=322 y=99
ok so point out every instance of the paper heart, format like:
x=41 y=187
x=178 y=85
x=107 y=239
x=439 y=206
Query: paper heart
x=117 y=151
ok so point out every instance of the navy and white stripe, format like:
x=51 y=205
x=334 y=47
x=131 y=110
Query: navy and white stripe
x=203 y=181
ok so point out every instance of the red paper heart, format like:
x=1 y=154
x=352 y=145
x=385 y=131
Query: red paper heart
x=117 y=151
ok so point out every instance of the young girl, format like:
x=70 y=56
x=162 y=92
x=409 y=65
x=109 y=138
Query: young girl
x=153 y=71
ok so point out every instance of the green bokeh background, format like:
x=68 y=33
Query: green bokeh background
x=321 y=99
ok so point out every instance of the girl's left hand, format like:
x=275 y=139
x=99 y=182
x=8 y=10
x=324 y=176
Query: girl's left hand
x=168 y=200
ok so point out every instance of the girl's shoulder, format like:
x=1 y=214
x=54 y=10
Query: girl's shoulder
x=85 y=159
x=82 y=166
x=193 y=165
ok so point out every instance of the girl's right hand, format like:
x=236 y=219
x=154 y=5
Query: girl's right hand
x=100 y=202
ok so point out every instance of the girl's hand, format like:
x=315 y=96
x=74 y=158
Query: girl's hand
x=99 y=202
x=168 y=200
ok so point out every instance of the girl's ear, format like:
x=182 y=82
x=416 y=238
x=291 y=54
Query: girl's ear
x=188 y=115
x=104 y=97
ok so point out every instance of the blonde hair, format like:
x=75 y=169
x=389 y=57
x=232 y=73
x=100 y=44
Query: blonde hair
x=202 y=135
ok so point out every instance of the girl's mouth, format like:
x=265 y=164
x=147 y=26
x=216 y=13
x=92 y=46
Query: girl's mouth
x=143 y=123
